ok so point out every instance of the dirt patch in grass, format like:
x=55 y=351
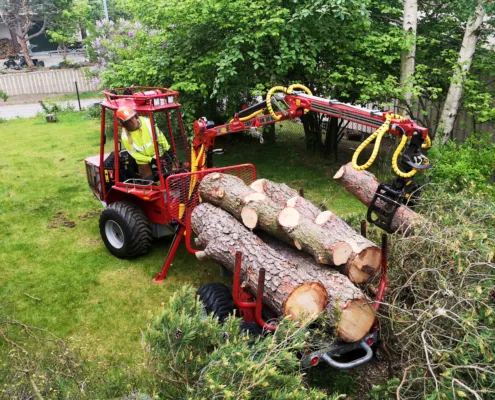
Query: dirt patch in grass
x=59 y=220
x=89 y=215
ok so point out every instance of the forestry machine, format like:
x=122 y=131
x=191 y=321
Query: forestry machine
x=136 y=210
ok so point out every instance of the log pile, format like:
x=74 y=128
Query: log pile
x=298 y=246
x=364 y=260
x=5 y=47
x=363 y=185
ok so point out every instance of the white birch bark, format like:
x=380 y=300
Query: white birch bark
x=408 y=57
x=453 y=100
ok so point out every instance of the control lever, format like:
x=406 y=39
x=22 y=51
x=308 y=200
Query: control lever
x=280 y=108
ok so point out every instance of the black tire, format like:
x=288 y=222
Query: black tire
x=217 y=299
x=252 y=328
x=125 y=230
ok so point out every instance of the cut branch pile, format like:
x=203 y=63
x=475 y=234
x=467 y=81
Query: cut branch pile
x=297 y=284
x=5 y=47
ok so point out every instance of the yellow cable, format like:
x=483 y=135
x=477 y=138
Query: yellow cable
x=269 y=100
x=427 y=143
x=395 y=157
x=244 y=119
x=378 y=134
x=291 y=88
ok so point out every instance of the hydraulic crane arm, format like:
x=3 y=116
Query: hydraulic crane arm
x=296 y=100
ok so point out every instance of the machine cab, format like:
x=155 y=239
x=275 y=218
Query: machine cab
x=113 y=175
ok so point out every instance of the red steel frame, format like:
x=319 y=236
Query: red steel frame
x=297 y=103
x=184 y=229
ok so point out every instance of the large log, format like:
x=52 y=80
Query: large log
x=295 y=285
x=365 y=258
x=363 y=185
x=256 y=210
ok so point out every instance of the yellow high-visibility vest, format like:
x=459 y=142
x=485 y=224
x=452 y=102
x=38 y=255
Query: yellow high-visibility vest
x=142 y=148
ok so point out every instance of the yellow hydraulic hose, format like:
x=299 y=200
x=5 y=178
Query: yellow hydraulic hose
x=255 y=114
x=269 y=100
x=395 y=157
x=378 y=134
x=427 y=143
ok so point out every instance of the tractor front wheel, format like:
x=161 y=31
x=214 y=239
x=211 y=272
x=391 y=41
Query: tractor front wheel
x=125 y=230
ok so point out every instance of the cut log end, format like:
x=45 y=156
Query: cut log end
x=341 y=252
x=254 y=197
x=356 y=320
x=201 y=255
x=249 y=217
x=306 y=302
x=339 y=173
x=292 y=201
x=258 y=186
x=323 y=217
x=367 y=261
x=289 y=217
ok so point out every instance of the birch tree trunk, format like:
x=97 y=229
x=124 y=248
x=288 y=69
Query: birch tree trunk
x=453 y=100
x=408 y=57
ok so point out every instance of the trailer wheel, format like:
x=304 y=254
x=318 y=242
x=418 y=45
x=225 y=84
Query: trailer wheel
x=217 y=299
x=252 y=328
x=125 y=230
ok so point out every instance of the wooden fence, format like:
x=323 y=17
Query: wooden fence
x=44 y=82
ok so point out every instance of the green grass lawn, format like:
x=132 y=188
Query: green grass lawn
x=88 y=297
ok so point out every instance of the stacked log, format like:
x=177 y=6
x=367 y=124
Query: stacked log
x=256 y=210
x=295 y=285
x=363 y=185
x=364 y=260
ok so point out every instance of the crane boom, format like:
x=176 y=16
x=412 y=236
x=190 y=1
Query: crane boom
x=291 y=103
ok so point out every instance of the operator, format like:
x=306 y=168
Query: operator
x=138 y=140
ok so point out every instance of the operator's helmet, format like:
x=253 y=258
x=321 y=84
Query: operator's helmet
x=125 y=113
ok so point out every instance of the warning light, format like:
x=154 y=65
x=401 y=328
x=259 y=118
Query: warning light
x=370 y=341
x=315 y=360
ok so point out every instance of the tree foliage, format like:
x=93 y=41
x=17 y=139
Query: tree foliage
x=196 y=357
x=20 y=16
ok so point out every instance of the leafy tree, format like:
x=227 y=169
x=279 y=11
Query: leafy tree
x=221 y=54
x=463 y=65
x=63 y=31
x=19 y=16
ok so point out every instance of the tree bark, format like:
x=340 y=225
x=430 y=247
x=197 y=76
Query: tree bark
x=312 y=133
x=25 y=51
x=363 y=185
x=408 y=57
x=364 y=260
x=466 y=54
x=256 y=210
x=295 y=285
x=15 y=42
